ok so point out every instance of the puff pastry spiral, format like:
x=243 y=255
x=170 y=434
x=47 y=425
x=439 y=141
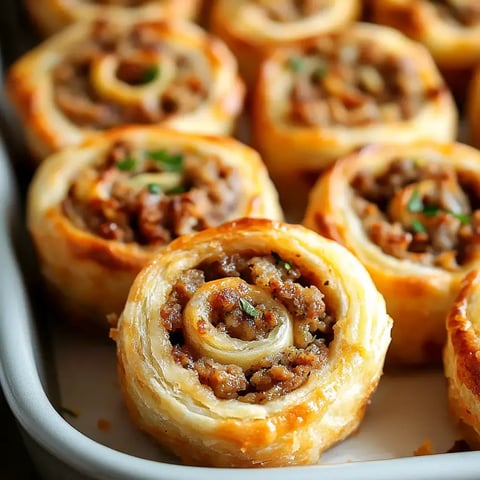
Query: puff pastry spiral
x=100 y=74
x=99 y=211
x=461 y=358
x=411 y=215
x=53 y=15
x=253 y=28
x=325 y=97
x=252 y=344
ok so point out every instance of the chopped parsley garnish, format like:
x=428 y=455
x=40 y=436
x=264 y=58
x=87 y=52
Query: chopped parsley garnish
x=154 y=188
x=280 y=261
x=248 y=308
x=418 y=226
x=150 y=74
x=179 y=189
x=67 y=411
x=430 y=210
x=415 y=204
x=296 y=64
x=320 y=72
x=170 y=162
x=464 y=219
x=128 y=163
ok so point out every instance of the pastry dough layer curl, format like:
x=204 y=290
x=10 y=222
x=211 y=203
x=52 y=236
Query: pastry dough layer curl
x=95 y=75
x=53 y=15
x=410 y=215
x=252 y=29
x=278 y=397
x=99 y=211
x=461 y=360
x=325 y=97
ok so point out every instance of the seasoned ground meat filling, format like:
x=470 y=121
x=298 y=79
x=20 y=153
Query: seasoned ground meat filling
x=421 y=210
x=284 y=11
x=120 y=3
x=463 y=12
x=151 y=197
x=143 y=57
x=277 y=374
x=344 y=81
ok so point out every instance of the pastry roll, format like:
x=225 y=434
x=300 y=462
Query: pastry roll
x=53 y=15
x=461 y=359
x=328 y=96
x=100 y=74
x=253 y=344
x=411 y=215
x=99 y=211
x=253 y=28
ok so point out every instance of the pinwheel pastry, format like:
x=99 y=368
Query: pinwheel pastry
x=450 y=29
x=252 y=344
x=461 y=359
x=411 y=215
x=339 y=91
x=253 y=28
x=101 y=74
x=97 y=212
x=53 y=15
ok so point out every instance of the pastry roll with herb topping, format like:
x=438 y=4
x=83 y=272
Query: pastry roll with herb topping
x=253 y=344
x=450 y=29
x=253 y=28
x=53 y=15
x=328 y=96
x=411 y=215
x=97 y=75
x=99 y=211
x=461 y=360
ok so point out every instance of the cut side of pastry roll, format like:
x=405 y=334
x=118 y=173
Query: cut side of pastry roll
x=411 y=215
x=253 y=28
x=99 y=211
x=461 y=360
x=97 y=75
x=340 y=91
x=52 y=15
x=252 y=344
x=450 y=29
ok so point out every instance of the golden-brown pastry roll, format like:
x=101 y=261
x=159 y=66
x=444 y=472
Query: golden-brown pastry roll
x=253 y=28
x=99 y=211
x=340 y=91
x=450 y=29
x=52 y=15
x=253 y=344
x=461 y=359
x=411 y=215
x=472 y=108
x=95 y=75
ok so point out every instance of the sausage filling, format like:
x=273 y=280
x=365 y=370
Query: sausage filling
x=459 y=12
x=349 y=82
x=138 y=52
x=152 y=197
x=277 y=374
x=284 y=11
x=420 y=210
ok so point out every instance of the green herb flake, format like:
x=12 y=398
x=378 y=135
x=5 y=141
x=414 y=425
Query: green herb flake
x=296 y=64
x=280 y=261
x=248 y=308
x=319 y=73
x=154 y=188
x=170 y=162
x=431 y=210
x=464 y=219
x=150 y=74
x=418 y=226
x=415 y=204
x=177 y=190
x=128 y=163
x=68 y=411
